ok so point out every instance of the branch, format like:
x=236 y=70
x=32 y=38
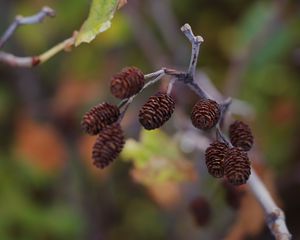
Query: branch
x=170 y=85
x=154 y=74
x=19 y=20
x=31 y=61
x=274 y=215
x=196 y=42
x=16 y=61
x=126 y=102
x=224 y=109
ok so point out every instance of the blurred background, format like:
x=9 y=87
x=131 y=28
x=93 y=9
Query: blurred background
x=159 y=188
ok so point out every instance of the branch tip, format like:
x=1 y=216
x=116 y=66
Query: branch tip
x=186 y=27
x=199 y=39
x=49 y=11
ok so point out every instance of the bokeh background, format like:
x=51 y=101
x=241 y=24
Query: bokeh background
x=49 y=188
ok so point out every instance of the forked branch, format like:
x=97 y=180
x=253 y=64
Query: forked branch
x=31 y=61
x=20 y=20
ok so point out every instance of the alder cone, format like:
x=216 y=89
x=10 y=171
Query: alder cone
x=156 y=111
x=200 y=210
x=108 y=145
x=127 y=83
x=240 y=135
x=214 y=158
x=99 y=117
x=205 y=114
x=237 y=166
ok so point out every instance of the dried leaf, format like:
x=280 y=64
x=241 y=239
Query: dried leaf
x=40 y=144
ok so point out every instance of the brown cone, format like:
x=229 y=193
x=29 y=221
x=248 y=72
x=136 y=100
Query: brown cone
x=201 y=211
x=99 y=117
x=156 y=111
x=214 y=158
x=205 y=114
x=127 y=82
x=108 y=145
x=240 y=135
x=237 y=166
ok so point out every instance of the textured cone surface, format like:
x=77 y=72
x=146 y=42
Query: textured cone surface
x=127 y=83
x=240 y=135
x=200 y=210
x=99 y=117
x=214 y=158
x=108 y=145
x=156 y=111
x=237 y=166
x=205 y=114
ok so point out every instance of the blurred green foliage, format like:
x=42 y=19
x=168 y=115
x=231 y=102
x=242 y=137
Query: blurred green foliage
x=158 y=155
x=28 y=208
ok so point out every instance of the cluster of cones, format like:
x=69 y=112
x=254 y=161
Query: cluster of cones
x=222 y=159
x=104 y=120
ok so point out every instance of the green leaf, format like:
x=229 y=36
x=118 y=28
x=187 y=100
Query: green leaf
x=156 y=159
x=101 y=13
x=153 y=143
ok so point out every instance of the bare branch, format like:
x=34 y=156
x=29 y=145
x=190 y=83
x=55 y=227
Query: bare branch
x=154 y=74
x=32 y=61
x=196 y=42
x=198 y=90
x=19 y=20
x=274 y=215
x=126 y=102
x=224 y=108
x=170 y=85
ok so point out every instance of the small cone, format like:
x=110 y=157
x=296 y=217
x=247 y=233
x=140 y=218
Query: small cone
x=214 y=158
x=156 y=111
x=108 y=145
x=240 y=135
x=127 y=83
x=237 y=166
x=205 y=114
x=99 y=117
